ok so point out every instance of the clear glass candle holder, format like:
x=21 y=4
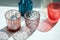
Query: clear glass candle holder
x=13 y=20
x=32 y=19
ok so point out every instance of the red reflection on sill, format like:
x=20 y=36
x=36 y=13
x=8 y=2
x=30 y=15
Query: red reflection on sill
x=46 y=25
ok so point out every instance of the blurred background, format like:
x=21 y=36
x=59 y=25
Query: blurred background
x=36 y=3
x=14 y=3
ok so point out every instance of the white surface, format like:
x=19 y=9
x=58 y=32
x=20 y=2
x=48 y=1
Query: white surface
x=3 y=36
x=53 y=34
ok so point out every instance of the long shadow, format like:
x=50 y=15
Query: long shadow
x=22 y=34
x=46 y=25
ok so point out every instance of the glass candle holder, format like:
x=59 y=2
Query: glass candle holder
x=32 y=19
x=13 y=20
x=53 y=11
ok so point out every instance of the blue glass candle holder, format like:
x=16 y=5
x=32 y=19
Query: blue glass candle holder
x=25 y=5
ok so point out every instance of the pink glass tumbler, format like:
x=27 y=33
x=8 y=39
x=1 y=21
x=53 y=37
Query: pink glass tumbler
x=13 y=20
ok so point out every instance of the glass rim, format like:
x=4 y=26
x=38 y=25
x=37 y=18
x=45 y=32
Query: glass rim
x=49 y=6
x=11 y=10
x=37 y=12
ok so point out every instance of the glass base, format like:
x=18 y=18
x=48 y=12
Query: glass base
x=11 y=30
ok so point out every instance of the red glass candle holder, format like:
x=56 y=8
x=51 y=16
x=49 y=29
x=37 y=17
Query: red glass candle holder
x=32 y=19
x=13 y=20
x=53 y=11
